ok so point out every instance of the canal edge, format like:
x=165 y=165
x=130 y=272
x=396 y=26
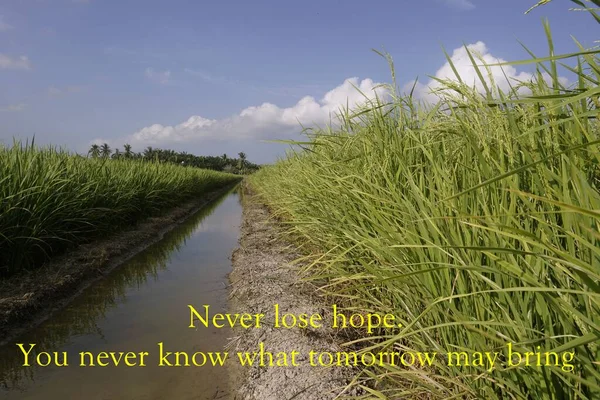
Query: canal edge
x=263 y=274
x=27 y=300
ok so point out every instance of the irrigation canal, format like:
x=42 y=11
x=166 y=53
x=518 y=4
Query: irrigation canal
x=138 y=305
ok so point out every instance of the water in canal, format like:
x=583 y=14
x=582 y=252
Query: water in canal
x=138 y=305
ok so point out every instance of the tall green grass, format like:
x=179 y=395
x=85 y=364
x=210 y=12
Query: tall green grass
x=475 y=220
x=51 y=200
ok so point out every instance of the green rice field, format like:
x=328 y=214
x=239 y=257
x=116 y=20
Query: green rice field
x=51 y=200
x=476 y=220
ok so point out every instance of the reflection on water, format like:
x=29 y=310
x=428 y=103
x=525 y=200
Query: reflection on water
x=138 y=305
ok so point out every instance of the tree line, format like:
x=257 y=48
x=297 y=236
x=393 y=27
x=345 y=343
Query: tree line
x=239 y=165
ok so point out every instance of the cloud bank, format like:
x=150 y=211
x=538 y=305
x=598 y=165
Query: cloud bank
x=504 y=77
x=269 y=121
x=266 y=120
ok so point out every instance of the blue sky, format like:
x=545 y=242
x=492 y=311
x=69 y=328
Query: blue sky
x=213 y=77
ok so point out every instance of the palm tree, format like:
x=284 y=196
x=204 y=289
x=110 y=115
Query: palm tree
x=105 y=150
x=94 y=151
x=116 y=155
x=149 y=152
x=242 y=161
x=127 y=148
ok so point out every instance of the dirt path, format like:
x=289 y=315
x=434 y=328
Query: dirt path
x=263 y=276
x=29 y=298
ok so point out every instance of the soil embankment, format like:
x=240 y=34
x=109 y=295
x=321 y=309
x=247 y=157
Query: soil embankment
x=263 y=275
x=28 y=298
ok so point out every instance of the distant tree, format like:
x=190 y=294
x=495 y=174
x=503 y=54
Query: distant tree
x=127 y=148
x=149 y=153
x=105 y=150
x=94 y=151
x=242 y=161
x=218 y=163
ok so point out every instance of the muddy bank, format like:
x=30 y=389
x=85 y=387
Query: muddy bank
x=29 y=298
x=263 y=275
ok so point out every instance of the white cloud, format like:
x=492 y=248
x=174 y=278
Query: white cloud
x=13 y=108
x=504 y=77
x=460 y=4
x=4 y=26
x=266 y=121
x=161 y=77
x=8 y=62
x=194 y=126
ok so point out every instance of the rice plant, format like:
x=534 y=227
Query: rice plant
x=475 y=220
x=51 y=200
